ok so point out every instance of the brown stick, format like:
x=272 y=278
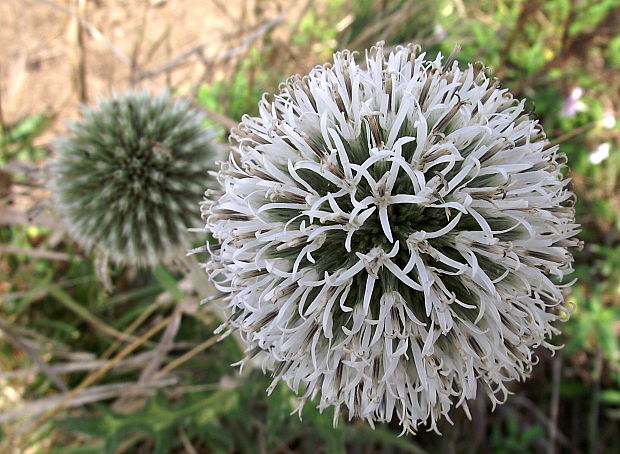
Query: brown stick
x=94 y=32
x=92 y=378
x=34 y=253
x=186 y=357
x=15 y=217
x=302 y=14
x=78 y=57
x=181 y=59
x=86 y=396
x=569 y=135
x=136 y=361
x=554 y=409
x=164 y=346
x=137 y=47
x=52 y=375
x=2 y=123
x=226 y=122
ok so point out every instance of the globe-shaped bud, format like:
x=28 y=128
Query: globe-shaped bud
x=128 y=177
x=393 y=235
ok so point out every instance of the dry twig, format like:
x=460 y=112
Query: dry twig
x=78 y=57
x=79 y=366
x=182 y=58
x=95 y=33
x=555 y=403
x=93 y=377
x=51 y=374
x=6 y=249
x=83 y=396
x=540 y=415
x=164 y=346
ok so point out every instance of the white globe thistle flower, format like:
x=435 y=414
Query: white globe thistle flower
x=393 y=235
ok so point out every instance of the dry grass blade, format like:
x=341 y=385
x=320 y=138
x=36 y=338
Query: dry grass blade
x=51 y=374
x=137 y=47
x=162 y=349
x=187 y=444
x=133 y=362
x=46 y=345
x=183 y=57
x=540 y=415
x=93 y=377
x=569 y=135
x=85 y=396
x=165 y=35
x=10 y=216
x=95 y=33
x=186 y=357
x=130 y=329
x=173 y=63
x=379 y=27
x=226 y=122
x=34 y=253
x=78 y=55
x=295 y=28
x=64 y=298
x=555 y=403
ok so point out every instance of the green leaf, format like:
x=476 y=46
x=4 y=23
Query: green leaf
x=363 y=432
x=88 y=426
x=157 y=420
x=91 y=448
x=168 y=282
x=532 y=434
x=27 y=129
x=610 y=396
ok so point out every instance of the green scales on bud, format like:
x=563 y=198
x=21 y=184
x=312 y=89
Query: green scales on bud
x=128 y=177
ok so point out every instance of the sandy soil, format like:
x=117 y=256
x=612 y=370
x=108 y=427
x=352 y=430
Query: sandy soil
x=124 y=43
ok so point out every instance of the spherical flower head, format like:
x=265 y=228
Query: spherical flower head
x=393 y=235
x=128 y=177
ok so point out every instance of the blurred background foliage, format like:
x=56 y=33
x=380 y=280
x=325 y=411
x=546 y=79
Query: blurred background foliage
x=138 y=370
